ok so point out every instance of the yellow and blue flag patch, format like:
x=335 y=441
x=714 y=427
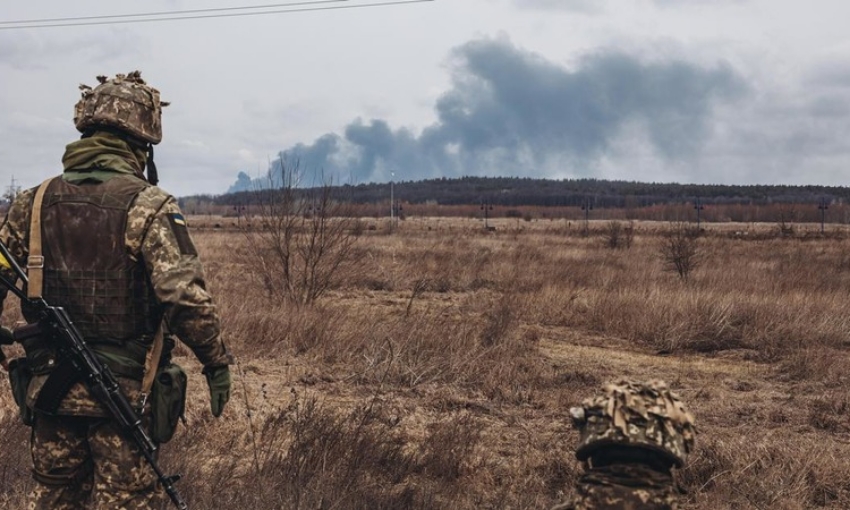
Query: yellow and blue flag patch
x=184 y=242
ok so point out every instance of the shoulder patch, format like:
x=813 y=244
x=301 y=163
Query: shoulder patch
x=184 y=242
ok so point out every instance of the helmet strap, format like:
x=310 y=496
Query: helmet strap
x=153 y=176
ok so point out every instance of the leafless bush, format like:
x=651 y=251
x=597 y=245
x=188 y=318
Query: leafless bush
x=498 y=322
x=680 y=249
x=304 y=237
x=449 y=447
x=618 y=236
x=784 y=225
x=312 y=456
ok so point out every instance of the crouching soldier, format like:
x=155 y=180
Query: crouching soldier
x=630 y=439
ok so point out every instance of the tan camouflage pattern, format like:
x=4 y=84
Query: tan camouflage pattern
x=78 y=402
x=83 y=462
x=177 y=280
x=15 y=230
x=623 y=487
x=124 y=102
x=646 y=415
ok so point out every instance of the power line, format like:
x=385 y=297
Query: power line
x=166 y=13
x=224 y=15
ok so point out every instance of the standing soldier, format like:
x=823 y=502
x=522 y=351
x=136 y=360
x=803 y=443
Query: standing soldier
x=630 y=439
x=106 y=244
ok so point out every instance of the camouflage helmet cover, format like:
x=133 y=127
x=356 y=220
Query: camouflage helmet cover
x=628 y=413
x=125 y=103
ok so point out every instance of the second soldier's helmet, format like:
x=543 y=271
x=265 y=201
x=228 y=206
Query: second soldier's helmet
x=644 y=415
x=125 y=103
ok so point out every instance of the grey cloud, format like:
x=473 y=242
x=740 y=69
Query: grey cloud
x=583 y=6
x=685 y=3
x=21 y=50
x=33 y=50
x=512 y=112
x=187 y=168
x=830 y=107
x=794 y=136
x=833 y=74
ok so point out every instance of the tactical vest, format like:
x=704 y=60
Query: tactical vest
x=87 y=268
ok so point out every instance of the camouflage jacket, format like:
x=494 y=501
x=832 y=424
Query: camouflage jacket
x=156 y=236
x=623 y=487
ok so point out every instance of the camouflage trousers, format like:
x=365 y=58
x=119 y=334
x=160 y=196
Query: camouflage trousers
x=81 y=462
x=623 y=487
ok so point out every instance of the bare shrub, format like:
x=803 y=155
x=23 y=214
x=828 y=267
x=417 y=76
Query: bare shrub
x=313 y=456
x=449 y=447
x=617 y=235
x=784 y=224
x=680 y=250
x=329 y=459
x=419 y=286
x=304 y=237
x=498 y=323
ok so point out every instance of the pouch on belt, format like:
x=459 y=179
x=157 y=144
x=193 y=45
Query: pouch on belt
x=168 y=401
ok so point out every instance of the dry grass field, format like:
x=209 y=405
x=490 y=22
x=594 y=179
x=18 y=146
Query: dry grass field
x=438 y=371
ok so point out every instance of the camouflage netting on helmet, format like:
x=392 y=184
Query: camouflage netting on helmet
x=125 y=103
x=645 y=415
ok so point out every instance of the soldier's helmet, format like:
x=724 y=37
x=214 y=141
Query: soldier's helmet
x=635 y=414
x=125 y=103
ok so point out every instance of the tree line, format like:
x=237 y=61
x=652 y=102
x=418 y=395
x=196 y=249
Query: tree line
x=598 y=193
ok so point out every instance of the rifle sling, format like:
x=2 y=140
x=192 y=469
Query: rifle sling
x=35 y=259
x=152 y=361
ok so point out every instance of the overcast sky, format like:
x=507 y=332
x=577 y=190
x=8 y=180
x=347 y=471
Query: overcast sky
x=692 y=91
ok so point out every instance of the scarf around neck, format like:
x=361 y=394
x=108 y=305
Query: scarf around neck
x=101 y=156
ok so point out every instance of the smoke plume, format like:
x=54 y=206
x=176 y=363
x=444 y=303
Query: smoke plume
x=511 y=112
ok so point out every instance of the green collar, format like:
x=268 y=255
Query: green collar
x=101 y=157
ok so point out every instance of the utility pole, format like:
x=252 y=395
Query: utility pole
x=12 y=191
x=392 y=199
x=823 y=207
x=587 y=206
x=397 y=209
x=486 y=206
x=239 y=210
x=698 y=206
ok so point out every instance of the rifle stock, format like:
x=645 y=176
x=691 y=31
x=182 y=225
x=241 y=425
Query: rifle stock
x=96 y=376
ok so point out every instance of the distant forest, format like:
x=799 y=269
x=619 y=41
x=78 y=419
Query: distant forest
x=569 y=199
x=514 y=192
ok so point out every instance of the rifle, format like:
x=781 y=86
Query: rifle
x=97 y=377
